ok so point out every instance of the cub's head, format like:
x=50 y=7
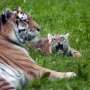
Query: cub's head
x=60 y=43
x=18 y=26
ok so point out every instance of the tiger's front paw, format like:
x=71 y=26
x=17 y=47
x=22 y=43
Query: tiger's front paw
x=70 y=74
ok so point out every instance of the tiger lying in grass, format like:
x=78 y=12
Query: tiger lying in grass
x=16 y=66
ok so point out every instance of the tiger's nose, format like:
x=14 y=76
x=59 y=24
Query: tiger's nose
x=38 y=29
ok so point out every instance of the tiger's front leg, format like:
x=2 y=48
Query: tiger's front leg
x=39 y=72
x=51 y=74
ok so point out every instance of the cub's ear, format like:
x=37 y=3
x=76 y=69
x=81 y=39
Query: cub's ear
x=67 y=35
x=5 y=16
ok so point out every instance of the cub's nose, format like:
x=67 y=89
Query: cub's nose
x=38 y=29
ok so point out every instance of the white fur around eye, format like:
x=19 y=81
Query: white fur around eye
x=22 y=16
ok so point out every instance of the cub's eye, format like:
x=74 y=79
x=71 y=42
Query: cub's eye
x=54 y=38
x=21 y=12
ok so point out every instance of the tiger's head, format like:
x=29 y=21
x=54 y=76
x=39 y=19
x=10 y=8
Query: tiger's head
x=17 y=26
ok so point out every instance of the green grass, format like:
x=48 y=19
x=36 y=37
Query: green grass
x=59 y=16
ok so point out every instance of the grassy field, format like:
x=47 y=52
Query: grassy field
x=61 y=16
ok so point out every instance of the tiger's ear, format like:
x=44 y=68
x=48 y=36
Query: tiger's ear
x=5 y=16
x=18 y=9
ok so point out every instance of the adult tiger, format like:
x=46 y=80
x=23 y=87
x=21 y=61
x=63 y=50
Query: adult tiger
x=17 y=28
